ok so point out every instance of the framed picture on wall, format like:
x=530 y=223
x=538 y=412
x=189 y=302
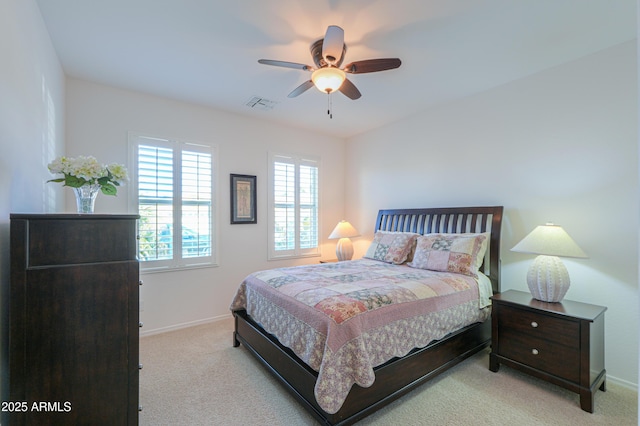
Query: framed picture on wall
x=243 y=199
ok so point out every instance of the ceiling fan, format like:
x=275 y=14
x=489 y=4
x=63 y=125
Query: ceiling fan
x=328 y=54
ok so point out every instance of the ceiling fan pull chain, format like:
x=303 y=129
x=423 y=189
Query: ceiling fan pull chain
x=329 y=106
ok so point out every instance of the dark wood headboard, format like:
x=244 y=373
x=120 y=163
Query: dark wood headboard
x=454 y=220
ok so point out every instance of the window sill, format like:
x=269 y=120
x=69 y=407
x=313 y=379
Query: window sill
x=296 y=256
x=144 y=271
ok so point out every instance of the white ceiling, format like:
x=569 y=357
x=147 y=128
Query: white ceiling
x=206 y=51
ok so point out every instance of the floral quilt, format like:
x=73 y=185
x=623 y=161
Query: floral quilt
x=345 y=318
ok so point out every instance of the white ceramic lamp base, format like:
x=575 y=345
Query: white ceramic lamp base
x=548 y=279
x=344 y=249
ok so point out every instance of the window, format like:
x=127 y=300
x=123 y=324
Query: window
x=293 y=206
x=173 y=187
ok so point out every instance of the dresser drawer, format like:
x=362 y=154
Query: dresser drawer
x=565 y=332
x=559 y=360
x=54 y=241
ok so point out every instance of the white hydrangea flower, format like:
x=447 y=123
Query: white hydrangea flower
x=86 y=170
x=118 y=172
x=59 y=165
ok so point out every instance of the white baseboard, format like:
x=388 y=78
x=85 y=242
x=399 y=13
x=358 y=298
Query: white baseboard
x=624 y=383
x=183 y=325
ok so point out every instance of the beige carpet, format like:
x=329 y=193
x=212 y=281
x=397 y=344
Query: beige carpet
x=195 y=377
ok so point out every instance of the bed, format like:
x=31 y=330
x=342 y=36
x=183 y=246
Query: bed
x=344 y=347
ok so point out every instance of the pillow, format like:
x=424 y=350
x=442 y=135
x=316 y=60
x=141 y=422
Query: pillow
x=391 y=247
x=459 y=253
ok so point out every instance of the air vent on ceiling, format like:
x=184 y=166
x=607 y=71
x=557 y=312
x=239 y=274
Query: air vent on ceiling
x=256 y=102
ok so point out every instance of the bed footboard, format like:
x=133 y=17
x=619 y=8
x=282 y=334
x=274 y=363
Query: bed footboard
x=393 y=379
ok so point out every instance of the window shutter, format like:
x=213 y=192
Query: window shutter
x=308 y=206
x=293 y=206
x=155 y=202
x=284 y=206
x=196 y=204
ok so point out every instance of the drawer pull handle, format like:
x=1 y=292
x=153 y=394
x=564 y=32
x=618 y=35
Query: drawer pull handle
x=534 y=351
x=534 y=324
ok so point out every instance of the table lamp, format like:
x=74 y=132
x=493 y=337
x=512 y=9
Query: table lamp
x=344 y=231
x=548 y=278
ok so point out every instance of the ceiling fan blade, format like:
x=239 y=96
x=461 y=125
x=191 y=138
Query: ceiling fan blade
x=293 y=65
x=372 y=65
x=301 y=89
x=349 y=89
x=333 y=44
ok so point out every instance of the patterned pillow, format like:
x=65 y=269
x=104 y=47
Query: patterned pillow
x=391 y=247
x=459 y=253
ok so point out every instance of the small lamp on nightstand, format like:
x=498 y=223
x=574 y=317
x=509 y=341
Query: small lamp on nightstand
x=344 y=230
x=548 y=278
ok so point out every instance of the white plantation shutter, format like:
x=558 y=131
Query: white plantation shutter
x=284 y=186
x=174 y=197
x=293 y=206
x=155 y=202
x=308 y=206
x=196 y=204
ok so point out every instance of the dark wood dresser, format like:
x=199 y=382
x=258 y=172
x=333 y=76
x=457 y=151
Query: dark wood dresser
x=74 y=320
x=562 y=343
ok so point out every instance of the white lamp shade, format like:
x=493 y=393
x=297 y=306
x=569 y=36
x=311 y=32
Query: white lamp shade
x=550 y=240
x=328 y=79
x=548 y=278
x=343 y=231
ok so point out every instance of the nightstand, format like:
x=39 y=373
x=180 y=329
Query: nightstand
x=561 y=343
x=329 y=261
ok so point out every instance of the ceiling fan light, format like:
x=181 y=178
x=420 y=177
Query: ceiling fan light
x=328 y=79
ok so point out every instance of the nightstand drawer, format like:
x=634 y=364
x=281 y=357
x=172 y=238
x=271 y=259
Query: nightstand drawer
x=538 y=325
x=559 y=360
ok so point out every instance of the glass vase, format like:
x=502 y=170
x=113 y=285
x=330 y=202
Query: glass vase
x=86 y=197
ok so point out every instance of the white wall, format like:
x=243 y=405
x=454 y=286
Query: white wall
x=31 y=131
x=99 y=118
x=557 y=146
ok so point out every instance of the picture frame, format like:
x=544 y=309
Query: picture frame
x=243 y=199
